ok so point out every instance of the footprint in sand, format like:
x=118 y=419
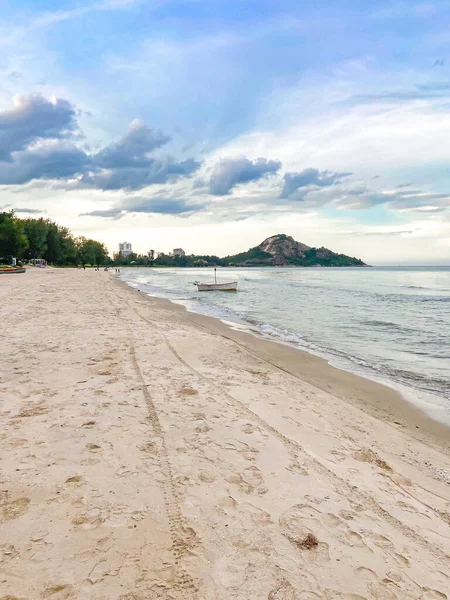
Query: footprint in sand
x=250 y=481
x=368 y=456
x=202 y=427
x=187 y=391
x=381 y=541
x=15 y=509
x=58 y=592
x=93 y=447
x=295 y=467
x=227 y=505
x=89 y=520
x=88 y=424
x=383 y=591
x=33 y=410
x=75 y=479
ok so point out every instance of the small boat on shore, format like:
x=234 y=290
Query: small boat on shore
x=5 y=270
x=230 y=286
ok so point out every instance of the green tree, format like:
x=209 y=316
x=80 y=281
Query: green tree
x=91 y=252
x=69 y=251
x=36 y=231
x=53 y=254
x=13 y=241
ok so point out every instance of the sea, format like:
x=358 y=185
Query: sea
x=389 y=324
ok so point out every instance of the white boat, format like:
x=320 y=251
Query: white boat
x=230 y=286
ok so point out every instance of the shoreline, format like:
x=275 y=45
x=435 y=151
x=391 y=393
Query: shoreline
x=316 y=370
x=148 y=452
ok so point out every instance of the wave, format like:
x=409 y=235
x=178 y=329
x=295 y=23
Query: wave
x=389 y=325
x=382 y=343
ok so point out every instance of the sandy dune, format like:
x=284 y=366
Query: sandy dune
x=146 y=456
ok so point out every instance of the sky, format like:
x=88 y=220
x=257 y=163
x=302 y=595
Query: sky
x=213 y=124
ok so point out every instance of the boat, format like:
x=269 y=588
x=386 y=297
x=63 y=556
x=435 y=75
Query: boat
x=230 y=286
x=9 y=270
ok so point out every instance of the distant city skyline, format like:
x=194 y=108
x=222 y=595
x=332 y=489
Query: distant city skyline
x=213 y=125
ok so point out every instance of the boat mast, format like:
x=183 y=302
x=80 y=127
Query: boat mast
x=215 y=275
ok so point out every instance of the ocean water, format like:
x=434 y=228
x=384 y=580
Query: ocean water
x=391 y=324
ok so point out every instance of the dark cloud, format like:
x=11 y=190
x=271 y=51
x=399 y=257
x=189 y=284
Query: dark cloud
x=156 y=205
x=309 y=178
x=32 y=118
x=162 y=206
x=48 y=160
x=134 y=178
x=30 y=211
x=31 y=148
x=133 y=149
x=232 y=171
x=109 y=213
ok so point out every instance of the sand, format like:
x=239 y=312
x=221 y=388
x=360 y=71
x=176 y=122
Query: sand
x=149 y=453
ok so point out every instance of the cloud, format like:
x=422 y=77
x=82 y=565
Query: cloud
x=155 y=171
x=127 y=164
x=309 y=178
x=232 y=171
x=31 y=118
x=433 y=90
x=49 y=159
x=156 y=205
x=32 y=148
x=109 y=213
x=30 y=211
x=162 y=206
x=402 y=200
x=133 y=149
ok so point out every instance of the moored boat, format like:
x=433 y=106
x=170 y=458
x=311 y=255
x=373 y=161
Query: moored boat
x=9 y=270
x=230 y=286
x=220 y=287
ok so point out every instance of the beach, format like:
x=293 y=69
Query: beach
x=147 y=452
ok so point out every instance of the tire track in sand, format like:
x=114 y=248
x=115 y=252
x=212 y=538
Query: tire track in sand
x=341 y=485
x=180 y=537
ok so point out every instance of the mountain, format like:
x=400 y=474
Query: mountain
x=282 y=250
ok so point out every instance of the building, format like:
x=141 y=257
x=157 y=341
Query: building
x=179 y=252
x=125 y=248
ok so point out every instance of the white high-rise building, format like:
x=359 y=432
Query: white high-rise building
x=125 y=248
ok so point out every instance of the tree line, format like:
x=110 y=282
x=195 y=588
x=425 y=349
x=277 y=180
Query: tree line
x=27 y=239
x=153 y=259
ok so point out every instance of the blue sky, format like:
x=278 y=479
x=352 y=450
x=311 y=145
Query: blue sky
x=212 y=124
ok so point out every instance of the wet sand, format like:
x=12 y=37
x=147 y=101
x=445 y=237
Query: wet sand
x=147 y=452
